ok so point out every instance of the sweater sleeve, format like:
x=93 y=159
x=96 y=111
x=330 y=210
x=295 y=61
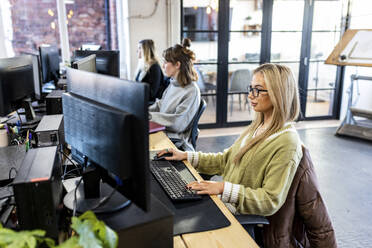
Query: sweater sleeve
x=155 y=106
x=180 y=119
x=277 y=180
x=212 y=163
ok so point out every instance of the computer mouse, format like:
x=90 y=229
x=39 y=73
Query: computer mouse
x=162 y=157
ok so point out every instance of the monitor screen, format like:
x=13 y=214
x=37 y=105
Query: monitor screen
x=86 y=63
x=37 y=74
x=49 y=59
x=92 y=47
x=106 y=120
x=107 y=62
x=16 y=82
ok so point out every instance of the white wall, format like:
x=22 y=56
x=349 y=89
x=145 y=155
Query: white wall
x=163 y=27
x=6 y=33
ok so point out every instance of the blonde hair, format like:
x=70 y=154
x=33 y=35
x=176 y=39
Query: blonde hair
x=181 y=53
x=149 y=55
x=284 y=96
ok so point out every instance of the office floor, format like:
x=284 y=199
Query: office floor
x=344 y=169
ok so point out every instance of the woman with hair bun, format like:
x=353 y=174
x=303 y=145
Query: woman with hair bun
x=149 y=70
x=180 y=102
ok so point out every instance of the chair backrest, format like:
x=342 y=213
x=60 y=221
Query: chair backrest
x=240 y=80
x=200 y=81
x=194 y=128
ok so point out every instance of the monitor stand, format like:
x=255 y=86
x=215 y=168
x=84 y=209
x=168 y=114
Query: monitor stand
x=114 y=203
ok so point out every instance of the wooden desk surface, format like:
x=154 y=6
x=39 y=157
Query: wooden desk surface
x=231 y=236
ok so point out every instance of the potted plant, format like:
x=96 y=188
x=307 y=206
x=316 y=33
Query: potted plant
x=90 y=232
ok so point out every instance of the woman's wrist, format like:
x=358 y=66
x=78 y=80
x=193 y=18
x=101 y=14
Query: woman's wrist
x=184 y=156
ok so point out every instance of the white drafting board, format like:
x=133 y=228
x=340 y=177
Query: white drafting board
x=359 y=49
x=354 y=49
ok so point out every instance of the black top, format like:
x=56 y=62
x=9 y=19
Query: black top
x=154 y=77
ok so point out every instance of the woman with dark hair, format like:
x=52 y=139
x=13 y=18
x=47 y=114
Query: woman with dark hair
x=181 y=99
x=149 y=70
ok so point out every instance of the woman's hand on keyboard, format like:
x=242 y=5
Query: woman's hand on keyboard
x=207 y=187
x=172 y=154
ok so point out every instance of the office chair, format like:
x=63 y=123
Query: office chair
x=253 y=225
x=240 y=80
x=204 y=86
x=194 y=127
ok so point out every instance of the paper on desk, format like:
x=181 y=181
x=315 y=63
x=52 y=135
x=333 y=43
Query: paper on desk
x=70 y=184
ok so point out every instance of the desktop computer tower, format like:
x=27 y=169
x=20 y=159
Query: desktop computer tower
x=50 y=131
x=38 y=191
x=54 y=102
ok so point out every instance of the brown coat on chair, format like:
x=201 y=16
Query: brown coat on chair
x=303 y=220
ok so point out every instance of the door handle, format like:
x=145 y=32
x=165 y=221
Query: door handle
x=305 y=61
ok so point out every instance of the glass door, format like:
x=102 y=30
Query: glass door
x=200 y=24
x=321 y=79
x=287 y=32
x=245 y=27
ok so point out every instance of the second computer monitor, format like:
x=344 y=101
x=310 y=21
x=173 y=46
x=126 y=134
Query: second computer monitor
x=16 y=82
x=106 y=120
x=86 y=63
x=107 y=62
x=49 y=58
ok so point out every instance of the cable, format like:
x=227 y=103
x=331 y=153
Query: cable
x=147 y=16
x=69 y=172
x=66 y=156
x=75 y=200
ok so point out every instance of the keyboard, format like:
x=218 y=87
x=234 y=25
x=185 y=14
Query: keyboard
x=172 y=182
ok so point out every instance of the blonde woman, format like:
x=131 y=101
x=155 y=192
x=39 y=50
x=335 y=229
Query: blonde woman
x=258 y=169
x=149 y=70
x=181 y=99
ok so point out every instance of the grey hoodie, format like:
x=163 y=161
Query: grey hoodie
x=176 y=111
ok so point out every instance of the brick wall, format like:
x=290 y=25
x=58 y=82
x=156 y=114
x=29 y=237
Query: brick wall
x=32 y=22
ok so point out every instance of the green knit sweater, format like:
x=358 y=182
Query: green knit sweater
x=259 y=184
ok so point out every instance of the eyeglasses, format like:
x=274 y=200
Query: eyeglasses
x=255 y=91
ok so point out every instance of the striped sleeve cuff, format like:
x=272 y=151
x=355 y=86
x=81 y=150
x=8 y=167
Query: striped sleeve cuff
x=193 y=158
x=230 y=193
x=226 y=192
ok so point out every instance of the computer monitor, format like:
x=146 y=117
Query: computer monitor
x=92 y=47
x=107 y=62
x=49 y=58
x=86 y=63
x=106 y=120
x=16 y=84
x=37 y=74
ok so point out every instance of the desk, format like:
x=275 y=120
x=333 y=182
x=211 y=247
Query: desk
x=231 y=236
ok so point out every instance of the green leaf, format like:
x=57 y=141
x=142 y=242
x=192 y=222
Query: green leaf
x=106 y=235
x=87 y=237
x=23 y=239
x=90 y=228
x=72 y=242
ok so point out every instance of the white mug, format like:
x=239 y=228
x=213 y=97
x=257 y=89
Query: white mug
x=3 y=138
